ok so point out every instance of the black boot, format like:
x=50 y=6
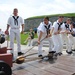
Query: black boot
x=60 y=53
x=20 y=53
x=39 y=55
x=51 y=54
x=69 y=52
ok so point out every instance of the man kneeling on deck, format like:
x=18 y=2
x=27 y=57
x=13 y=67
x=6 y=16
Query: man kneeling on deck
x=43 y=31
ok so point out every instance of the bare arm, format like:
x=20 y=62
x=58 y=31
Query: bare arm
x=7 y=32
x=53 y=27
x=51 y=31
x=22 y=28
x=62 y=32
x=39 y=38
x=8 y=27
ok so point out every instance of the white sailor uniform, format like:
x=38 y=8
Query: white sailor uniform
x=42 y=27
x=15 y=22
x=64 y=35
x=56 y=37
x=72 y=40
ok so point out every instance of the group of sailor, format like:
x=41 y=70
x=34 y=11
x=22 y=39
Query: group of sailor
x=57 y=34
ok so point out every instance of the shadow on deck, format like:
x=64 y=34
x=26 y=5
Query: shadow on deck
x=63 y=65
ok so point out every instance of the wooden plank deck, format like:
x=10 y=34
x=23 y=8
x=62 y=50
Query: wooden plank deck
x=64 y=65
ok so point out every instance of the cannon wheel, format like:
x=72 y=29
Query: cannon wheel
x=5 y=68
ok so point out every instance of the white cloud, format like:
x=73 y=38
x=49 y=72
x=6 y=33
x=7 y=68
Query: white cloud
x=28 y=8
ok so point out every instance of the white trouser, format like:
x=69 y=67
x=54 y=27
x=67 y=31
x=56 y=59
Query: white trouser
x=15 y=34
x=41 y=43
x=64 y=39
x=71 y=41
x=57 y=43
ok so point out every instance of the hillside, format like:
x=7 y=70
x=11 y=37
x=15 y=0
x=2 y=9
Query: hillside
x=33 y=22
x=65 y=15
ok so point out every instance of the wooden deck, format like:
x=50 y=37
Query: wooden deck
x=63 y=65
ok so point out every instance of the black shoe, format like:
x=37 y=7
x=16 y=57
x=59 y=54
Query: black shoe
x=51 y=54
x=52 y=51
x=56 y=54
x=69 y=52
x=40 y=56
x=60 y=53
x=73 y=49
x=20 y=53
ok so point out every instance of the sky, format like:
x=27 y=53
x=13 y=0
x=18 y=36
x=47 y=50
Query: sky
x=30 y=8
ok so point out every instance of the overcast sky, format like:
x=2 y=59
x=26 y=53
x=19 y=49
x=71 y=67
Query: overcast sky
x=29 y=8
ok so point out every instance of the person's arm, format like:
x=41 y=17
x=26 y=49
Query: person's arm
x=22 y=28
x=22 y=24
x=39 y=38
x=71 y=28
x=8 y=27
x=62 y=31
x=59 y=30
x=7 y=32
x=51 y=31
x=68 y=30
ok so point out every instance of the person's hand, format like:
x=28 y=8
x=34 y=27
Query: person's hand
x=62 y=32
x=68 y=32
x=38 y=42
x=49 y=35
x=56 y=33
x=7 y=32
x=72 y=32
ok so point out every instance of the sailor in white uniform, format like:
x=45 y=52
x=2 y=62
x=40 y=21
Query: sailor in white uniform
x=64 y=33
x=55 y=32
x=72 y=38
x=43 y=31
x=15 y=22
